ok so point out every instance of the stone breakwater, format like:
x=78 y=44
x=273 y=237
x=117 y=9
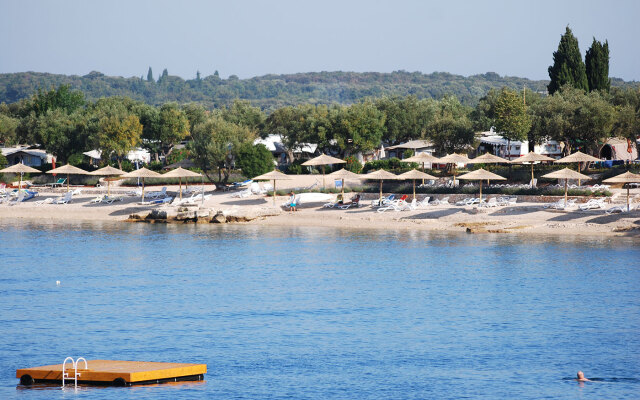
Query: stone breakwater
x=194 y=215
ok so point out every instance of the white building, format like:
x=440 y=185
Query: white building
x=494 y=143
x=26 y=156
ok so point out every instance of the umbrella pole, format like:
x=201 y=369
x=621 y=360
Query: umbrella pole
x=180 y=184
x=380 y=200
x=579 y=169
x=414 y=189
x=628 y=208
x=532 y=179
x=565 y=192
x=423 y=172
x=143 y=190
x=480 y=191
x=274 y=192
x=20 y=184
x=67 y=182
x=323 y=185
x=343 y=190
x=108 y=186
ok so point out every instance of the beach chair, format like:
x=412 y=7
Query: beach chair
x=385 y=201
x=156 y=195
x=243 y=193
x=238 y=185
x=97 y=199
x=48 y=200
x=111 y=199
x=134 y=193
x=64 y=199
x=424 y=202
x=355 y=202
x=443 y=201
x=592 y=204
x=396 y=205
x=492 y=202
x=58 y=183
x=616 y=209
x=19 y=198
x=162 y=201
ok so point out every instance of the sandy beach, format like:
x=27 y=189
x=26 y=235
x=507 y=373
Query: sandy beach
x=522 y=218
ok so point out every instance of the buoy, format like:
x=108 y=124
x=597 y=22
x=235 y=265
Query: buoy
x=57 y=283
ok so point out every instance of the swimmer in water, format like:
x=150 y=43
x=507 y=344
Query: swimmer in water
x=581 y=377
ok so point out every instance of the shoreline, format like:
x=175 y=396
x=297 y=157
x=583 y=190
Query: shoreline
x=526 y=218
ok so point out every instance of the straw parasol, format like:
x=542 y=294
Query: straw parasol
x=20 y=169
x=380 y=175
x=577 y=157
x=421 y=158
x=531 y=158
x=413 y=175
x=142 y=173
x=184 y=163
x=181 y=173
x=412 y=145
x=344 y=174
x=68 y=170
x=323 y=160
x=566 y=174
x=454 y=159
x=272 y=176
x=487 y=158
x=481 y=175
x=627 y=177
x=108 y=171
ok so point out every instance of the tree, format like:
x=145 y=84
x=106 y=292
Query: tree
x=451 y=129
x=164 y=75
x=150 y=75
x=60 y=133
x=195 y=113
x=8 y=129
x=172 y=126
x=597 y=66
x=568 y=67
x=241 y=112
x=118 y=134
x=254 y=160
x=213 y=142
x=358 y=127
x=406 y=118
x=510 y=116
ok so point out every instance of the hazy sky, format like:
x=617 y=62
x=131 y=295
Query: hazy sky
x=249 y=38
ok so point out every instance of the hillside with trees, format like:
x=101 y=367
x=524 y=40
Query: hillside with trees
x=270 y=92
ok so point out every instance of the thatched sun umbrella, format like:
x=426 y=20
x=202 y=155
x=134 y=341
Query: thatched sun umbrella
x=454 y=159
x=488 y=158
x=142 y=173
x=566 y=174
x=272 y=176
x=68 y=170
x=380 y=175
x=19 y=169
x=323 y=160
x=531 y=158
x=421 y=158
x=108 y=171
x=481 y=175
x=344 y=174
x=627 y=177
x=181 y=173
x=577 y=157
x=413 y=175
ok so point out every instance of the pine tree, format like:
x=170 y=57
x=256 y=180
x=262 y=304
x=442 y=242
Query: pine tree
x=197 y=75
x=568 y=67
x=150 y=75
x=165 y=73
x=597 y=66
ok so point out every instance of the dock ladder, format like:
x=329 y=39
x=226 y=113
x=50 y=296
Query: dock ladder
x=76 y=374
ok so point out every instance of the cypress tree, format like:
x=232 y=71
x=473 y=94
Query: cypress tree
x=597 y=66
x=568 y=67
x=150 y=75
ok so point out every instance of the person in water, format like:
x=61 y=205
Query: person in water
x=581 y=377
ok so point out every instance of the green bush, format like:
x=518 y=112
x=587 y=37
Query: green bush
x=127 y=166
x=156 y=166
x=76 y=159
x=3 y=161
x=254 y=160
x=178 y=155
x=392 y=164
x=353 y=164
x=296 y=168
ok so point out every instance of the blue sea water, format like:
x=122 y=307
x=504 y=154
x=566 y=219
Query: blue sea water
x=314 y=313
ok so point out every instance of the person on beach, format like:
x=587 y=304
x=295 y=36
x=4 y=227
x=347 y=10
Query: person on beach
x=292 y=202
x=581 y=377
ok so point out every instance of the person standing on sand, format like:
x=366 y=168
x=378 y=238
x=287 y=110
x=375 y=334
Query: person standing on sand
x=292 y=202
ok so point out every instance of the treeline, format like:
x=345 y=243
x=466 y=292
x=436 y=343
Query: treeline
x=65 y=123
x=270 y=92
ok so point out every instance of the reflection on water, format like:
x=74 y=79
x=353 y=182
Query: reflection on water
x=323 y=313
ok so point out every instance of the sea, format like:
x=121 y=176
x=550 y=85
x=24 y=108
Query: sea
x=322 y=313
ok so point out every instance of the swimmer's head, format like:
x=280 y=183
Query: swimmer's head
x=580 y=375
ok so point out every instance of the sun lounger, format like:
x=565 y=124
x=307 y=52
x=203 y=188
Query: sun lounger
x=64 y=199
x=592 y=204
x=385 y=201
x=156 y=195
x=243 y=193
x=20 y=197
x=443 y=201
x=111 y=199
x=492 y=202
x=355 y=202
x=162 y=201
x=423 y=203
x=97 y=199
x=396 y=205
x=48 y=200
x=57 y=183
x=135 y=193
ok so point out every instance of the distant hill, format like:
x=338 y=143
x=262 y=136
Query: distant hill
x=272 y=91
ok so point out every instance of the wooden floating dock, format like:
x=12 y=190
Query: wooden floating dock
x=116 y=373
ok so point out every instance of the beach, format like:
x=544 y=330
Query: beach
x=525 y=217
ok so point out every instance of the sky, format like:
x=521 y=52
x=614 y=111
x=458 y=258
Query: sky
x=253 y=38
